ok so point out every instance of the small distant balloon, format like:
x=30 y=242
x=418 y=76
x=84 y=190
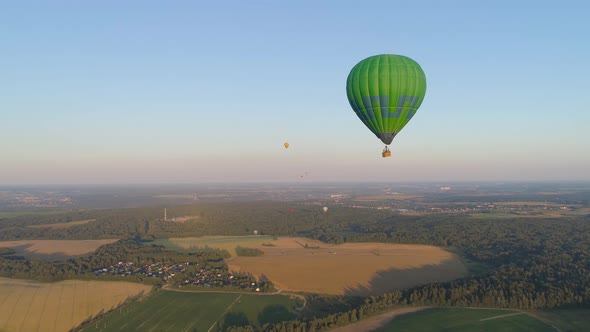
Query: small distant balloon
x=291 y=211
x=286 y=145
x=325 y=209
x=255 y=232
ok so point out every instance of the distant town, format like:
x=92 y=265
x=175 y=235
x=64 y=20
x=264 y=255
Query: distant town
x=402 y=198
x=185 y=274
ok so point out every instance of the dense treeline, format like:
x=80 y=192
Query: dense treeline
x=83 y=267
x=271 y=218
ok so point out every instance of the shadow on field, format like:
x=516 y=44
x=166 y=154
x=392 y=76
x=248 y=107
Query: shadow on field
x=23 y=250
x=234 y=319
x=319 y=306
x=273 y=314
x=397 y=279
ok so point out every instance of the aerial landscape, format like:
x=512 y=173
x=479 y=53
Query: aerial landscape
x=241 y=166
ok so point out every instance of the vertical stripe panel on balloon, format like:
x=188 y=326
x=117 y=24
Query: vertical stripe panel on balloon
x=384 y=93
x=373 y=82
x=358 y=96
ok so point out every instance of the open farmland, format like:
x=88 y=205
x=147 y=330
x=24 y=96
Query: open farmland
x=189 y=311
x=466 y=319
x=228 y=243
x=351 y=268
x=54 y=249
x=7 y=215
x=34 y=306
x=63 y=225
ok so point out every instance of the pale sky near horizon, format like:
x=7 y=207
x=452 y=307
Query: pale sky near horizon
x=208 y=91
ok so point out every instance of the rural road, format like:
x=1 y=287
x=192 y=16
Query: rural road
x=277 y=292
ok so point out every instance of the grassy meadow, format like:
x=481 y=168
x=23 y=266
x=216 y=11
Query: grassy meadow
x=465 y=319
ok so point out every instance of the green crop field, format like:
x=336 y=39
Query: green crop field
x=6 y=215
x=565 y=319
x=450 y=319
x=185 y=311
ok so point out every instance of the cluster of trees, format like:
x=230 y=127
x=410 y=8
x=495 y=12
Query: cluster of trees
x=243 y=251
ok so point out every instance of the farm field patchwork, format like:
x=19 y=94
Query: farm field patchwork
x=34 y=306
x=188 y=311
x=54 y=249
x=350 y=268
x=465 y=319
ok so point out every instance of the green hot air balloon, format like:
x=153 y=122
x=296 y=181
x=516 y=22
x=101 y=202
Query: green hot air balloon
x=385 y=92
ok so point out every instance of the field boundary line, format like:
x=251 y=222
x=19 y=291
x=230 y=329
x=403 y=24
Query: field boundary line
x=160 y=321
x=166 y=288
x=22 y=290
x=186 y=329
x=502 y=316
x=223 y=314
x=546 y=321
x=43 y=310
x=29 y=308
x=61 y=290
x=156 y=313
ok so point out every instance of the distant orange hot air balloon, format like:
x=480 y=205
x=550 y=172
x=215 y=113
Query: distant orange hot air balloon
x=286 y=145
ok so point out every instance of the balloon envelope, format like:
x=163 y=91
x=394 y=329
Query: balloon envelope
x=325 y=209
x=385 y=91
x=286 y=145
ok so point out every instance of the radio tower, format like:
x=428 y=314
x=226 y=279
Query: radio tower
x=165 y=219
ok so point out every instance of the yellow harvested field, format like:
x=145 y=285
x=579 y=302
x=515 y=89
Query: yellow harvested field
x=228 y=243
x=34 y=306
x=350 y=268
x=64 y=224
x=55 y=248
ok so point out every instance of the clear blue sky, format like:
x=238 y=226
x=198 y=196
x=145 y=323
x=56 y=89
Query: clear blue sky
x=192 y=91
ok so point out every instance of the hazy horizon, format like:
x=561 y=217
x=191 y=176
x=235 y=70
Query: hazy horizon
x=111 y=92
